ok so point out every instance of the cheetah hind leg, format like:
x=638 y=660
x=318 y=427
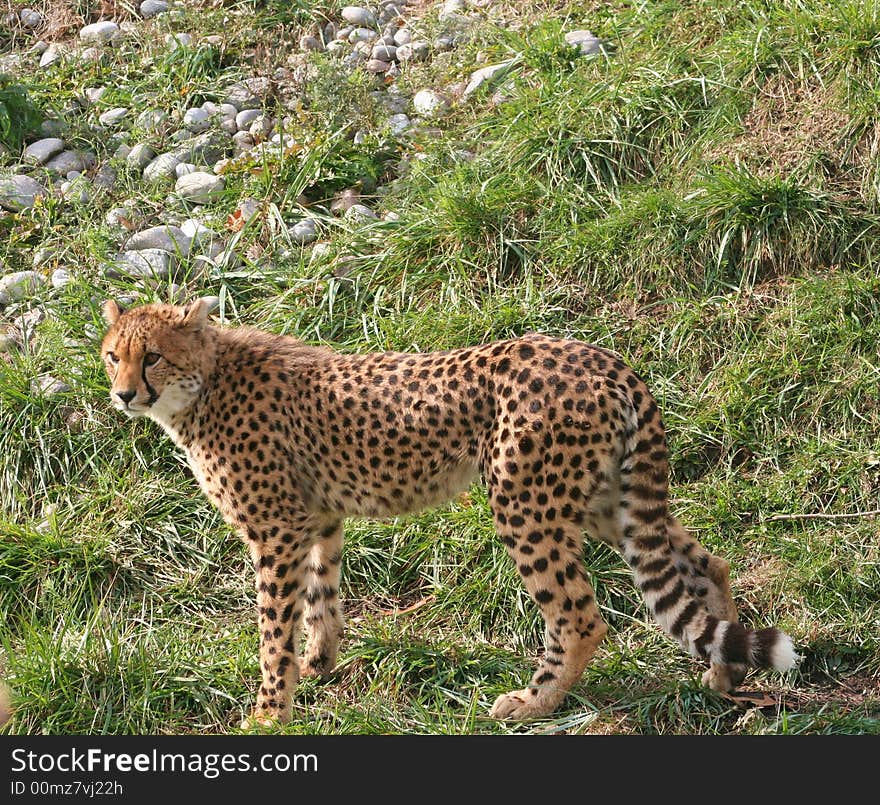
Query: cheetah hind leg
x=710 y=577
x=323 y=614
x=554 y=575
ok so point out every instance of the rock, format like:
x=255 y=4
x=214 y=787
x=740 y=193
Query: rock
x=52 y=54
x=360 y=213
x=53 y=127
x=486 y=75
x=99 y=33
x=586 y=42
x=310 y=43
x=105 y=178
x=376 y=66
x=248 y=207
x=362 y=35
x=345 y=199
x=41 y=151
x=196 y=120
x=178 y=40
x=153 y=8
x=355 y=15
x=201 y=237
x=390 y=13
x=204 y=149
x=120 y=217
x=248 y=94
x=337 y=48
x=151 y=120
x=242 y=142
x=94 y=94
x=429 y=102
x=161 y=168
x=76 y=189
x=42 y=256
x=48 y=385
x=183 y=168
x=38 y=48
x=26 y=324
x=67 y=161
x=90 y=54
x=402 y=37
x=140 y=156
x=383 y=52
x=453 y=11
x=60 y=277
x=398 y=123
x=30 y=18
x=244 y=118
x=113 y=116
x=304 y=232
x=142 y=264
x=414 y=51
x=18 y=285
x=260 y=127
x=444 y=43
x=19 y=192
x=168 y=238
x=199 y=187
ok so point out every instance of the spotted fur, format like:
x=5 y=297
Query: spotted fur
x=288 y=439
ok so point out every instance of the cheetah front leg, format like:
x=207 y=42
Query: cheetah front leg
x=280 y=560
x=323 y=613
x=550 y=561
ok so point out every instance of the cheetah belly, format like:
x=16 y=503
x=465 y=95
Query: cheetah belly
x=371 y=497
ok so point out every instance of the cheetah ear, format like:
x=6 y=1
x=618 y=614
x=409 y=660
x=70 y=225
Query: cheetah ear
x=195 y=316
x=111 y=311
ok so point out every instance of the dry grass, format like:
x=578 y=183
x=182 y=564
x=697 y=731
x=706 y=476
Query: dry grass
x=789 y=124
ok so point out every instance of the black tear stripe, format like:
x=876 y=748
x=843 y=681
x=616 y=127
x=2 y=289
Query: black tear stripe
x=150 y=389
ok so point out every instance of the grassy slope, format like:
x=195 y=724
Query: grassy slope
x=704 y=202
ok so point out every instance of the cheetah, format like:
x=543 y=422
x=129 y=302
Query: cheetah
x=288 y=439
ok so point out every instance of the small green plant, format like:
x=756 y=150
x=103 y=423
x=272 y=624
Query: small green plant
x=19 y=116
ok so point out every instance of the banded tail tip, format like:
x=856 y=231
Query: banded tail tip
x=783 y=657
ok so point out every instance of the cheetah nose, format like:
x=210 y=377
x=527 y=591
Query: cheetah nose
x=126 y=396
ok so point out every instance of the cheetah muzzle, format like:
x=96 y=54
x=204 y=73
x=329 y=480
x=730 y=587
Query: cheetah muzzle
x=288 y=439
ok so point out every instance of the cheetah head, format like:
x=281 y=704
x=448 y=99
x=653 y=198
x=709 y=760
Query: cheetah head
x=155 y=357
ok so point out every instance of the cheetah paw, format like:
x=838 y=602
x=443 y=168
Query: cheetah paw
x=261 y=723
x=724 y=678
x=518 y=705
x=318 y=666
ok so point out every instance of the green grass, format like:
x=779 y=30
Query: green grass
x=702 y=200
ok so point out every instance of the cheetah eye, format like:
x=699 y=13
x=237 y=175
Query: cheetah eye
x=151 y=358
x=112 y=357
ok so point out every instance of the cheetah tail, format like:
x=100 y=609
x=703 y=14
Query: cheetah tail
x=668 y=589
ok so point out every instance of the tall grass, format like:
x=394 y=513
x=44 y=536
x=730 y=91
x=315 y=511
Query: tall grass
x=645 y=200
